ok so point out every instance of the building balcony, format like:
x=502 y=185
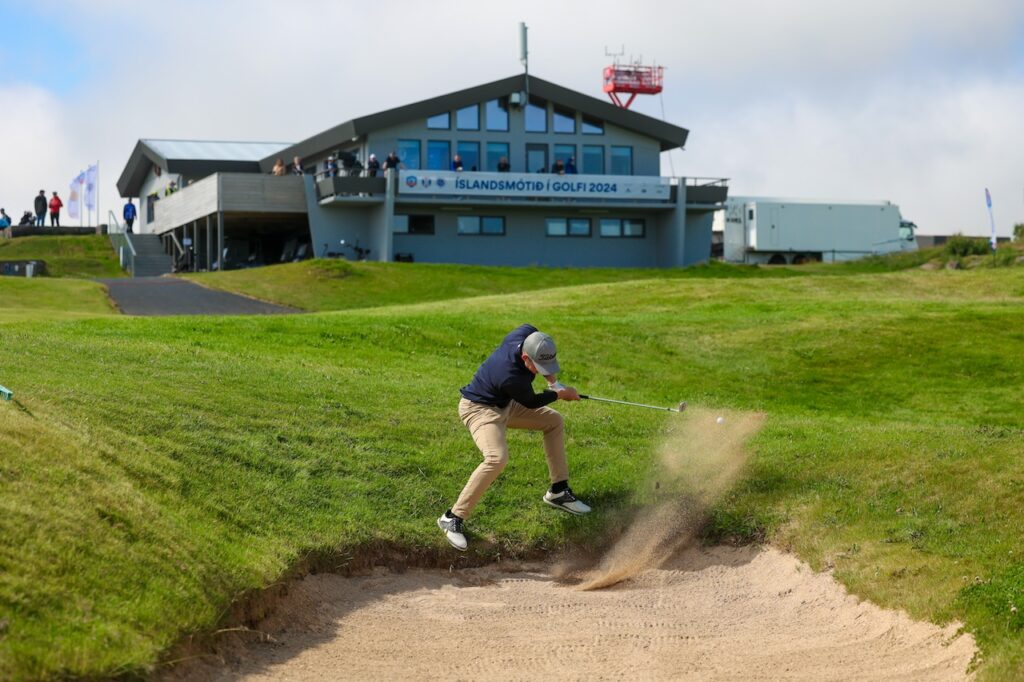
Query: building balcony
x=237 y=193
x=521 y=189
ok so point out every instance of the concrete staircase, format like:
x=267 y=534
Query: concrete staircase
x=150 y=259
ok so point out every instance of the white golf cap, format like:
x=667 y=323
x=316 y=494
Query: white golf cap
x=540 y=348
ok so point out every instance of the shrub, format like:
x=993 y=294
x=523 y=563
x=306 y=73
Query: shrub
x=1018 y=232
x=960 y=246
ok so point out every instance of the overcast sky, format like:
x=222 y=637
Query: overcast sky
x=914 y=101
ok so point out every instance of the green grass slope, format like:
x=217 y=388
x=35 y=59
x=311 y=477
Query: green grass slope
x=87 y=256
x=154 y=469
x=42 y=298
x=321 y=284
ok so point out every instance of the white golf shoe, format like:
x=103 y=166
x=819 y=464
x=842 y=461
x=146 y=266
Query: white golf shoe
x=452 y=527
x=566 y=501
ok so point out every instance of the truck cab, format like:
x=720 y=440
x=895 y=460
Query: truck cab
x=907 y=230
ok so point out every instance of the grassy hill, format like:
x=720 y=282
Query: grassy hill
x=321 y=284
x=22 y=298
x=155 y=469
x=90 y=256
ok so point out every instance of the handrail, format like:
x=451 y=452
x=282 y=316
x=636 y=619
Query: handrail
x=177 y=244
x=119 y=229
x=122 y=243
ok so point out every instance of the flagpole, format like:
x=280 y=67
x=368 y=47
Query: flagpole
x=991 y=218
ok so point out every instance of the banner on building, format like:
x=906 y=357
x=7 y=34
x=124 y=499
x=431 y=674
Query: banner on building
x=534 y=185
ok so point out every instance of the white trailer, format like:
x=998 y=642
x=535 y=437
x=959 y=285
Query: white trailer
x=778 y=231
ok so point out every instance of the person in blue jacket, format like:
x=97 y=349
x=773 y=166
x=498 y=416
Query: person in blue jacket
x=129 y=215
x=501 y=397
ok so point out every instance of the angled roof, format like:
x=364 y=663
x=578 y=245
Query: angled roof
x=668 y=135
x=195 y=158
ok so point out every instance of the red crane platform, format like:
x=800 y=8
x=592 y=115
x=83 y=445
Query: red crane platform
x=632 y=79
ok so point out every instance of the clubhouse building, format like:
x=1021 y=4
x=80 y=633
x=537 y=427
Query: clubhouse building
x=513 y=172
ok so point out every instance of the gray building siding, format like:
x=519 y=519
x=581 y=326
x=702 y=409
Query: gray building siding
x=671 y=237
x=526 y=242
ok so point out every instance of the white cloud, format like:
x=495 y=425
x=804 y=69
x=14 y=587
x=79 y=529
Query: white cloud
x=912 y=101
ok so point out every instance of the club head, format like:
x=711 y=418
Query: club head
x=682 y=406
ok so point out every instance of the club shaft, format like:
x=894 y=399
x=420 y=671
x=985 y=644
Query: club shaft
x=626 y=402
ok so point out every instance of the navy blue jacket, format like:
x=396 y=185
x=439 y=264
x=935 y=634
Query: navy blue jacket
x=503 y=377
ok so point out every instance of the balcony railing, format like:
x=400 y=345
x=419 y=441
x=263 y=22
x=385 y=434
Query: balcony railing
x=432 y=185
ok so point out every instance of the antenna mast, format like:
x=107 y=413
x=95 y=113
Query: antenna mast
x=524 y=57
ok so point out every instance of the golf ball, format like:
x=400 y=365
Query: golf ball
x=720 y=420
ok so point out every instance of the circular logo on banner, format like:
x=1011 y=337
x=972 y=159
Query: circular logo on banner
x=440 y=182
x=410 y=181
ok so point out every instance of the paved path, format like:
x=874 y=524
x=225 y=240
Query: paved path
x=172 y=296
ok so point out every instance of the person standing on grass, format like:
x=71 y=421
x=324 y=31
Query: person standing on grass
x=40 y=207
x=55 y=205
x=501 y=397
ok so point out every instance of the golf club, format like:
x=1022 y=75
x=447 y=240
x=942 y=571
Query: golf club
x=679 y=408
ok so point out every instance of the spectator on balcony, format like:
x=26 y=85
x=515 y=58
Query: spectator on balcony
x=457 y=163
x=40 y=207
x=297 y=166
x=171 y=189
x=372 y=166
x=393 y=162
x=331 y=167
x=558 y=167
x=129 y=214
x=55 y=205
x=503 y=165
x=570 y=166
x=279 y=169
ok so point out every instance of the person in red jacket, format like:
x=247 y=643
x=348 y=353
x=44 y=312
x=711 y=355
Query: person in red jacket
x=55 y=205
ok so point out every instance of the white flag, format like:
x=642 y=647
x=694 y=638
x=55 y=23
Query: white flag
x=90 y=187
x=75 y=196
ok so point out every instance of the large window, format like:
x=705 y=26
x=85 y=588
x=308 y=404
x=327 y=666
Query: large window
x=440 y=121
x=568 y=227
x=593 y=159
x=468 y=118
x=497 y=114
x=563 y=120
x=622 y=161
x=592 y=126
x=496 y=151
x=622 y=227
x=483 y=225
x=565 y=153
x=470 y=153
x=536 y=158
x=413 y=224
x=439 y=155
x=409 y=153
x=537 y=116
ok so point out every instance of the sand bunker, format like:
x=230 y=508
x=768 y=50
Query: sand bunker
x=724 y=613
x=666 y=612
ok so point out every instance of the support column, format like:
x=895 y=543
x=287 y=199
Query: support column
x=209 y=256
x=220 y=240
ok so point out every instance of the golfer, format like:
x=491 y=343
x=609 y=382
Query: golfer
x=501 y=397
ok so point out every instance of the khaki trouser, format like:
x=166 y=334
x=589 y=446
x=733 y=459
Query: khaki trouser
x=487 y=425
